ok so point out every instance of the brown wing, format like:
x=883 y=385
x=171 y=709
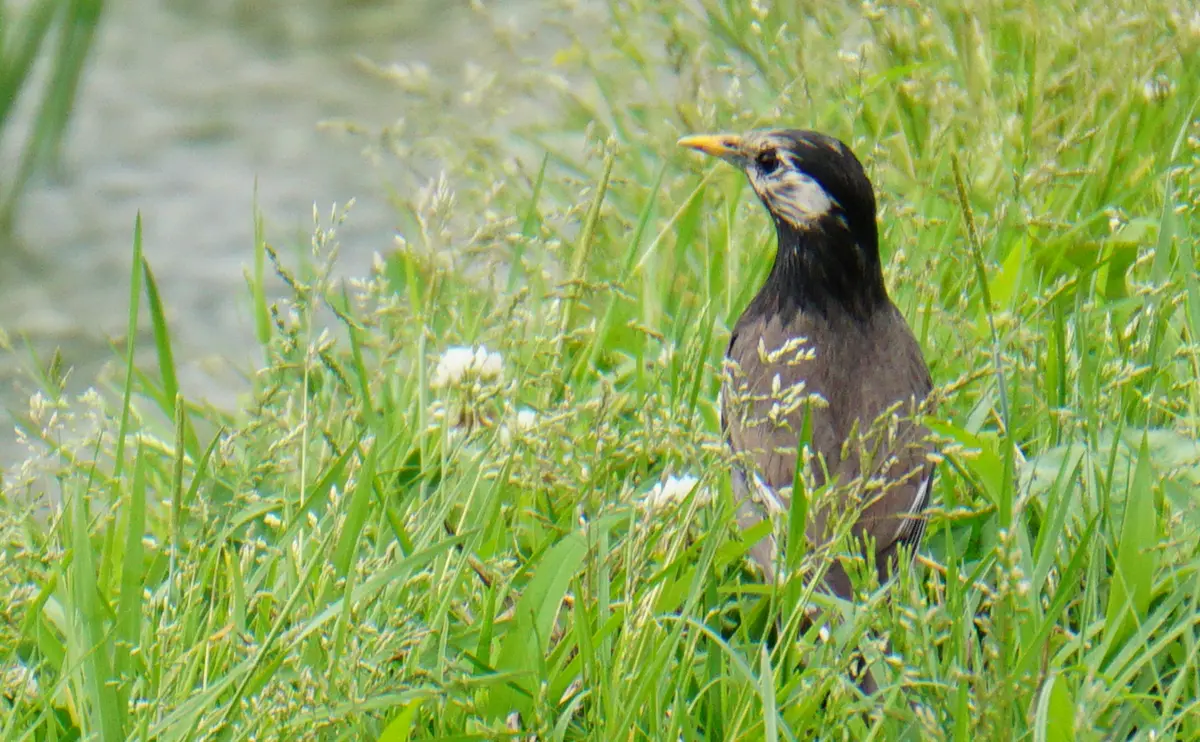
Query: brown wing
x=842 y=377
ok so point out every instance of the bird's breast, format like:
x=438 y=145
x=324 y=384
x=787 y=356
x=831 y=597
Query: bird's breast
x=785 y=382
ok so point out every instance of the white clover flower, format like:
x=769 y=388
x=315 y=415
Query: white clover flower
x=673 y=492
x=460 y=362
x=524 y=421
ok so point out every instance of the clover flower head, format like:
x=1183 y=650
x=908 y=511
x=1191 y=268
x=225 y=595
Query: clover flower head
x=459 y=363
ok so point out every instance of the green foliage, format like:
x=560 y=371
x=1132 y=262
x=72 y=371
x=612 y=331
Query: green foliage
x=24 y=38
x=399 y=539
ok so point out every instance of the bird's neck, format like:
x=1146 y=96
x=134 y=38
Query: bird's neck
x=826 y=270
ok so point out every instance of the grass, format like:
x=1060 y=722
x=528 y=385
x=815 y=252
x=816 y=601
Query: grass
x=368 y=552
x=26 y=36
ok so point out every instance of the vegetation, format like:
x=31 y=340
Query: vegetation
x=61 y=31
x=399 y=539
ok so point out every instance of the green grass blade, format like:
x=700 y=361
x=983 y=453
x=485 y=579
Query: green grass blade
x=258 y=289
x=129 y=603
x=90 y=646
x=1136 y=558
x=135 y=292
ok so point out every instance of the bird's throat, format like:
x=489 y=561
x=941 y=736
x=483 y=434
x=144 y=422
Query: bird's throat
x=824 y=269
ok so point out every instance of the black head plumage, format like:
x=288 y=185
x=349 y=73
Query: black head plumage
x=823 y=206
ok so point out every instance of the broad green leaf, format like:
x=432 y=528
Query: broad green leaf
x=524 y=645
x=1055 y=720
x=1007 y=285
x=1137 y=555
x=400 y=729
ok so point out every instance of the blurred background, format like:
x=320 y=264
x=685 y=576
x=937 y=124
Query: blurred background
x=181 y=110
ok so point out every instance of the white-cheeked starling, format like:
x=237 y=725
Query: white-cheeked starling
x=821 y=358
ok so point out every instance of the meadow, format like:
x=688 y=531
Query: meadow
x=481 y=493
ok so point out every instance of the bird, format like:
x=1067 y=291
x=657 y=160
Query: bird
x=821 y=358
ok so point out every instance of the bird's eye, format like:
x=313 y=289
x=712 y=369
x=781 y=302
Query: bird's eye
x=768 y=161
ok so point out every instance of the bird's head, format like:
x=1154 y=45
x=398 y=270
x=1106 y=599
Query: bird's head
x=821 y=200
x=807 y=180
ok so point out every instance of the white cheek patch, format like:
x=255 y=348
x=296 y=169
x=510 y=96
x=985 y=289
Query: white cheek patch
x=796 y=197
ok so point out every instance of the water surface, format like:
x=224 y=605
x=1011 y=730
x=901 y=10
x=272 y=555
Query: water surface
x=181 y=113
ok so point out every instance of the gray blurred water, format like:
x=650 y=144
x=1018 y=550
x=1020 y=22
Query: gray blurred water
x=185 y=107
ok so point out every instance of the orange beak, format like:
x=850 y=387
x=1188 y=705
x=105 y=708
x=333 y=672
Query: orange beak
x=726 y=146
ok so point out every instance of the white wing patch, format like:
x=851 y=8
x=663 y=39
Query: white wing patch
x=912 y=527
x=762 y=493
